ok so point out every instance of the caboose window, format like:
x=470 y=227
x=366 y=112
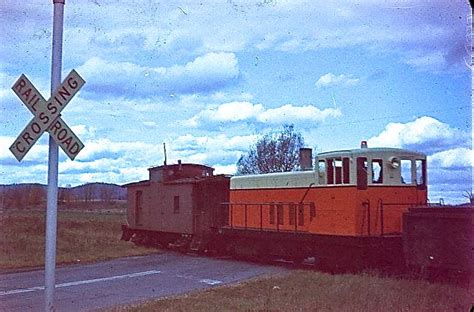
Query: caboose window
x=377 y=171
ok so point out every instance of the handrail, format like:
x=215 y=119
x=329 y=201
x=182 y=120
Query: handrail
x=368 y=217
x=381 y=217
x=247 y=205
x=363 y=217
x=307 y=191
x=366 y=204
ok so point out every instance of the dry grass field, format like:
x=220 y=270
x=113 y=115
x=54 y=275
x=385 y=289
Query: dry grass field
x=82 y=237
x=315 y=291
x=86 y=237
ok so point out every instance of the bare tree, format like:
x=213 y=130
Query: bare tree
x=274 y=152
x=35 y=195
x=106 y=193
x=469 y=195
x=66 y=195
x=87 y=192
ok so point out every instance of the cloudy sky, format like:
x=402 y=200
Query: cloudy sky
x=208 y=77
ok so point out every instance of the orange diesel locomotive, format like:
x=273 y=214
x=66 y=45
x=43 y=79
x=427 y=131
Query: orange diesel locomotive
x=349 y=209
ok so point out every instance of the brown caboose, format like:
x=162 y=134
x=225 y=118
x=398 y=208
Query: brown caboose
x=178 y=206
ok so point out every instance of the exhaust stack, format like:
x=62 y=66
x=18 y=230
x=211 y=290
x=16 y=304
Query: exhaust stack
x=306 y=158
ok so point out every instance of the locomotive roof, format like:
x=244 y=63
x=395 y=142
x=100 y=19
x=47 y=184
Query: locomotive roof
x=371 y=151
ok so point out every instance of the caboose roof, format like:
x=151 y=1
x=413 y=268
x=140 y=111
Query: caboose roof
x=139 y=183
x=196 y=180
x=183 y=165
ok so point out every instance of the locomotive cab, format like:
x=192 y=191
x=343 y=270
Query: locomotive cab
x=374 y=166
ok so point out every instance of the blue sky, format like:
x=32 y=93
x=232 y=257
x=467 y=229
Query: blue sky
x=209 y=77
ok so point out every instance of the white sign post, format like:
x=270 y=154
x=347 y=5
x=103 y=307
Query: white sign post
x=47 y=118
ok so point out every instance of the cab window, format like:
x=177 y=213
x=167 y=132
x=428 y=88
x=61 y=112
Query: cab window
x=420 y=172
x=345 y=170
x=338 y=171
x=330 y=171
x=377 y=171
x=322 y=171
x=405 y=167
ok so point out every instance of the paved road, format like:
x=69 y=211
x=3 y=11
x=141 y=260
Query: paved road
x=121 y=281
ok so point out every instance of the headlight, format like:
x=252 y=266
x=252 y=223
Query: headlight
x=394 y=162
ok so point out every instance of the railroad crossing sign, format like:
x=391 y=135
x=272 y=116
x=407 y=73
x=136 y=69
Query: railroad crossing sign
x=47 y=116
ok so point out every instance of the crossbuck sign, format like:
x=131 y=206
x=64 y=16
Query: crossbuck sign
x=47 y=116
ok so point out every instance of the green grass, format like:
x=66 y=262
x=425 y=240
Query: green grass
x=315 y=291
x=82 y=237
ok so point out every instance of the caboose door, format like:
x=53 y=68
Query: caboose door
x=197 y=228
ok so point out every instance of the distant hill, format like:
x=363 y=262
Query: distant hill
x=98 y=191
x=26 y=195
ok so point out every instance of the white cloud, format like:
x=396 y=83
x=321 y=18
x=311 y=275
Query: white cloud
x=227 y=112
x=289 y=113
x=329 y=80
x=223 y=97
x=425 y=133
x=221 y=149
x=37 y=154
x=434 y=60
x=112 y=29
x=191 y=143
x=101 y=160
x=225 y=169
x=104 y=160
x=5 y=142
x=84 y=132
x=246 y=111
x=453 y=158
x=206 y=73
x=150 y=124
x=235 y=111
